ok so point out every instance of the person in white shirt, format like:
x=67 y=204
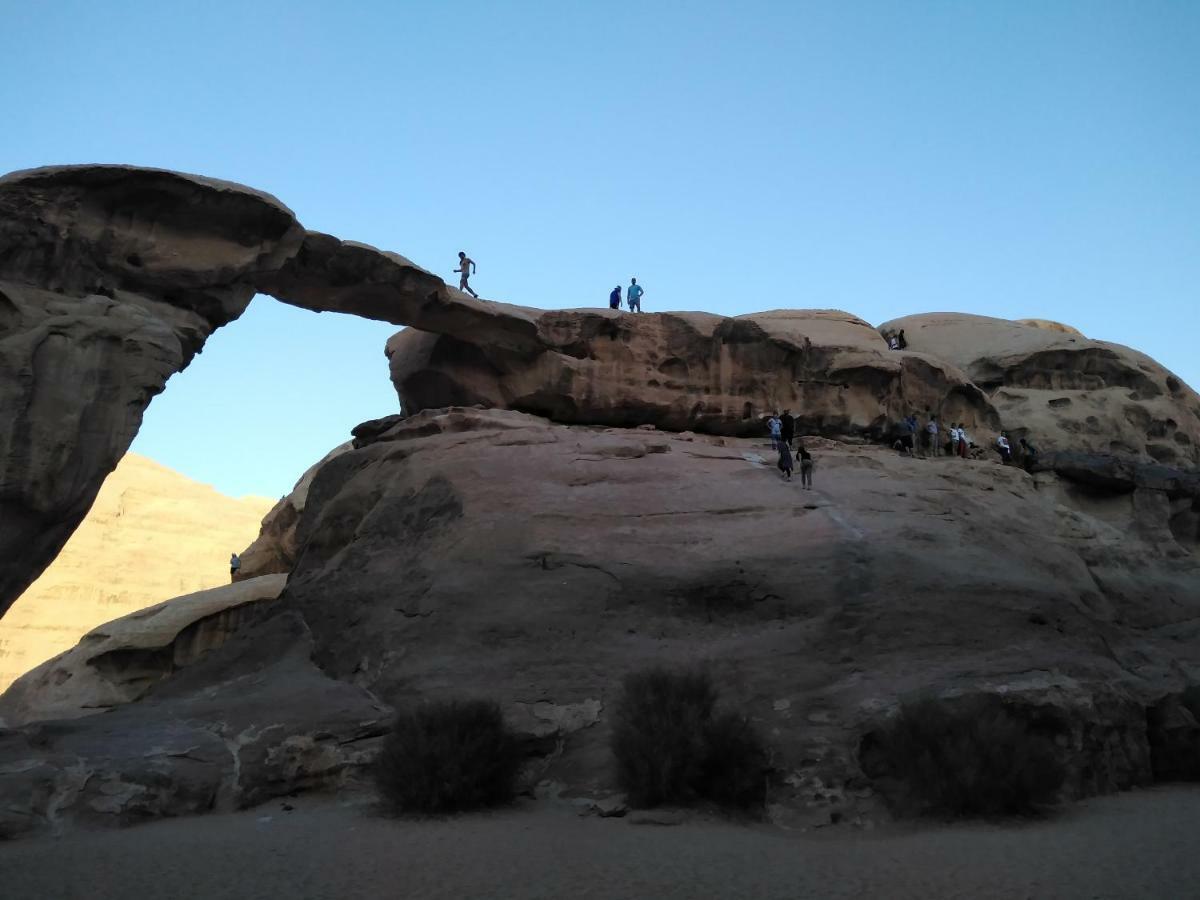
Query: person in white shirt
x=1004 y=448
x=964 y=444
x=931 y=430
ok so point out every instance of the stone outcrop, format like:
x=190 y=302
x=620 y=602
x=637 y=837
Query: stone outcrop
x=121 y=660
x=110 y=281
x=817 y=611
x=692 y=372
x=112 y=278
x=492 y=552
x=274 y=550
x=151 y=534
x=1065 y=391
x=253 y=719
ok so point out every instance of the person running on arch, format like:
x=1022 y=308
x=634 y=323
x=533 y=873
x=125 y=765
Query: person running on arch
x=466 y=266
x=633 y=295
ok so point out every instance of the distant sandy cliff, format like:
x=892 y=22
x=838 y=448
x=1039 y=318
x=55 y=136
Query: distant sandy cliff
x=152 y=534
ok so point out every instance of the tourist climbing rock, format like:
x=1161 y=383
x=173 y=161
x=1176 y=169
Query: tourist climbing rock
x=785 y=460
x=806 y=467
x=466 y=266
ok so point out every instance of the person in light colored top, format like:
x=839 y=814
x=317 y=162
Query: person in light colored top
x=775 y=427
x=932 y=430
x=235 y=564
x=964 y=443
x=466 y=266
x=1004 y=448
x=633 y=295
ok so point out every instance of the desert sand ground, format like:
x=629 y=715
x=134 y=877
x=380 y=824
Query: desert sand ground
x=1141 y=844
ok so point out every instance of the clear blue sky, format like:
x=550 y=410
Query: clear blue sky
x=1006 y=158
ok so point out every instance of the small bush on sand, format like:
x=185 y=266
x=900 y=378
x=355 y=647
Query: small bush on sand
x=448 y=756
x=670 y=748
x=972 y=757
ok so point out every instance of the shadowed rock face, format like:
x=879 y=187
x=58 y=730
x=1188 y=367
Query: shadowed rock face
x=1065 y=391
x=692 y=371
x=111 y=279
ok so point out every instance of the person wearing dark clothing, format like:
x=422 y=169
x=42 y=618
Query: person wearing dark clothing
x=901 y=341
x=787 y=427
x=1029 y=454
x=806 y=466
x=785 y=460
x=614 y=299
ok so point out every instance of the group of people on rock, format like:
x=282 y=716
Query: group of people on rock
x=926 y=440
x=633 y=296
x=783 y=431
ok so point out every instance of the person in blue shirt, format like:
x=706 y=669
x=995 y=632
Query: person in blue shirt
x=614 y=299
x=634 y=296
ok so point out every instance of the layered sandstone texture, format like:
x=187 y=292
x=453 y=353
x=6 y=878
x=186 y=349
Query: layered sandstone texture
x=1065 y=391
x=494 y=553
x=691 y=371
x=151 y=534
x=120 y=661
x=111 y=279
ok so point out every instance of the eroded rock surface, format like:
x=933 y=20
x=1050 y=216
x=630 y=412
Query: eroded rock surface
x=111 y=279
x=121 y=660
x=1065 y=391
x=488 y=548
x=252 y=720
x=692 y=371
x=151 y=534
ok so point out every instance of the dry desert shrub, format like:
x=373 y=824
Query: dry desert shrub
x=448 y=756
x=671 y=748
x=971 y=757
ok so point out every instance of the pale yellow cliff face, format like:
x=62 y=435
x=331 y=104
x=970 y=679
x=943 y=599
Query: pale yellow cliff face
x=151 y=535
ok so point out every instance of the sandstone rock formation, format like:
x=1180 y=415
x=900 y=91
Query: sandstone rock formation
x=489 y=550
x=121 y=660
x=1064 y=391
x=692 y=371
x=493 y=552
x=274 y=550
x=150 y=535
x=110 y=280
x=251 y=720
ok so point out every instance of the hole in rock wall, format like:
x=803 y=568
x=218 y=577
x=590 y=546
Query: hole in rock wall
x=268 y=396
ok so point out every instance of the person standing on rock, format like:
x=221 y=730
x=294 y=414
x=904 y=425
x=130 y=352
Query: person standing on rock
x=633 y=295
x=775 y=427
x=614 y=299
x=931 y=435
x=1004 y=448
x=901 y=341
x=466 y=266
x=806 y=467
x=235 y=565
x=963 y=442
x=787 y=428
